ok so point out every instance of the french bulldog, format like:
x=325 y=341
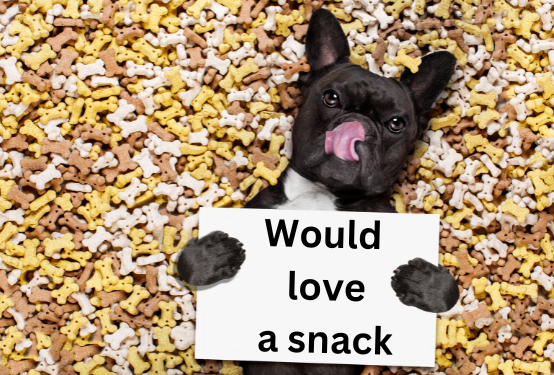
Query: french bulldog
x=351 y=139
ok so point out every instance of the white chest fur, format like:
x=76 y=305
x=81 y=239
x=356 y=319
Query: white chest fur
x=303 y=194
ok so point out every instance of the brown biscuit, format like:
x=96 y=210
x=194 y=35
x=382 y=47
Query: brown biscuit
x=112 y=68
x=108 y=12
x=40 y=83
x=49 y=221
x=68 y=22
x=62 y=38
x=134 y=321
x=88 y=132
x=164 y=135
x=15 y=143
x=66 y=60
x=81 y=163
x=23 y=199
x=121 y=35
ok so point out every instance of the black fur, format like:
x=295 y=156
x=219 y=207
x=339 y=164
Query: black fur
x=363 y=185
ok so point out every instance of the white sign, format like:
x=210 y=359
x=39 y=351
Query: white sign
x=316 y=288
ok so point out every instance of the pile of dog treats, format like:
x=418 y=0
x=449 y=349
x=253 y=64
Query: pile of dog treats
x=119 y=119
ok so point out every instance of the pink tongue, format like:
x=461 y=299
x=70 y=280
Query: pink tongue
x=341 y=140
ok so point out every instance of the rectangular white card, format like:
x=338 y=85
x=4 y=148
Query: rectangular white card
x=234 y=316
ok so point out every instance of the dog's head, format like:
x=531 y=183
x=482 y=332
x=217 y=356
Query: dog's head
x=356 y=128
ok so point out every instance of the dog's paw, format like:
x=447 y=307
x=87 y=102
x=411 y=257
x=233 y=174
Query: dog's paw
x=212 y=258
x=425 y=286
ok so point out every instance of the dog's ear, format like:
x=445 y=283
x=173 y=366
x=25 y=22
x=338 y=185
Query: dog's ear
x=326 y=44
x=430 y=80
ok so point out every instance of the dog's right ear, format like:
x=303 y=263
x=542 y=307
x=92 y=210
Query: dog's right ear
x=326 y=45
x=433 y=75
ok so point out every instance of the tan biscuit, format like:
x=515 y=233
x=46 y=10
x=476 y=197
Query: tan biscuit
x=17 y=195
x=88 y=132
x=164 y=135
x=58 y=341
x=480 y=313
x=50 y=220
x=109 y=298
x=427 y=24
x=72 y=222
x=35 y=164
x=457 y=35
x=82 y=164
x=210 y=367
x=311 y=6
x=7 y=289
x=68 y=22
x=82 y=352
x=244 y=16
x=66 y=60
x=127 y=80
x=191 y=35
x=116 y=265
x=522 y=344
x=108 y=12
x=66 y=360
x=481 y=15
x=175 y=221
x=121 y=35
x=152 y=279
x=213 y=85
x=196 y=59
x=19 y=367
x=379 y=53
x=286 y=101
x=44 y=69
x=112 y=68
x=49 y=314
x=463 y=264
x=270 y=161
x=40 y=295
x=85 y=275
x=523 y=238
x=255 y=85
x=265 y=43
x=500 y=40
x=258 y=8
x=62 y=38
x=167 y=172
x=34 y=324
x=15 y=143
x=151 y=306
x=300 y=31
x=262 y=73
x=134 y=321
x=383 y=34
x=543 y=306
x=139 y=105
x=40 y=83
x=61 y=148
x=125 y=161
x=479 y=353
x=210 y=75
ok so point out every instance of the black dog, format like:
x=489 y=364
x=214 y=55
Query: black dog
x=351 y=139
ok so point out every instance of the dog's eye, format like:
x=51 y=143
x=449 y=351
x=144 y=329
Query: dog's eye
x=331 y=99
x=396 y=124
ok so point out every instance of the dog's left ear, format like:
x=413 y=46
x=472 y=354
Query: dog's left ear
x=433 y=75
x=326 y=45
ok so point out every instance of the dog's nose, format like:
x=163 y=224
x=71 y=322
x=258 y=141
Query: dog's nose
x=341 y=140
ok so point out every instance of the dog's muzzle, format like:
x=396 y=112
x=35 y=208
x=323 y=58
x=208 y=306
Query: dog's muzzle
x=340 y=141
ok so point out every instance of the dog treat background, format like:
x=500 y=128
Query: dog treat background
x=120 y=119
